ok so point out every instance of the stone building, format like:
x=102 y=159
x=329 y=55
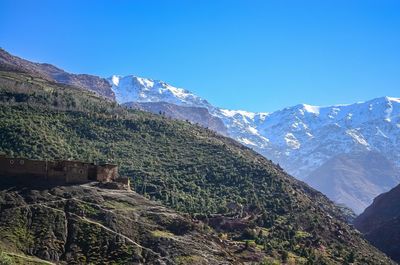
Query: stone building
x=60 y=171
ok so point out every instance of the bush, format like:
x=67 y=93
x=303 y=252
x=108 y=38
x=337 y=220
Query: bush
x=5 y=259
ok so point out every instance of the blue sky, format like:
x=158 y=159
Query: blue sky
x=253 y=55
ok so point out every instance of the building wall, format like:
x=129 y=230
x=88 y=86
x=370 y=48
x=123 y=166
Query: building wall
x=56 y=172
x=76 y=172
x=62 y=172
x=107 y=173
x=19 y=167
x=125 y=181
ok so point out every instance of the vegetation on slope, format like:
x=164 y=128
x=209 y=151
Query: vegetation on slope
x=99 y=226
x=242 y=195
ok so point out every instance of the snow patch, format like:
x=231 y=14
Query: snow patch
x=232 y=113
x=178 y=92
x=247 y=141
x=311 y=109
x=291 y=141
x=252 y=130
x=115 y=80
x=145 y=82
x=380 y=133
x=393 y=99
x=357 y=136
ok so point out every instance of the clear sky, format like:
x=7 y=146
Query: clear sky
x=253 y=55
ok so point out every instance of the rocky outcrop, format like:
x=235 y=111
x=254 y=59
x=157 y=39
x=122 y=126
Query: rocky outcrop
x=86 y=224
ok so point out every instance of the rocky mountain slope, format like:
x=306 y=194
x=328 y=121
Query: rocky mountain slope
x=196 y=115
x=380 y=223
x=241 y=196
x=55 y=74
x=302 y=138
x=90 y=225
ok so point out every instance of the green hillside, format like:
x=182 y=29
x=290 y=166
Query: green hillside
x=242 y=196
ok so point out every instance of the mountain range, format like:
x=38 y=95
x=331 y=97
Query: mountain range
x=303 y=139
x=318 y=145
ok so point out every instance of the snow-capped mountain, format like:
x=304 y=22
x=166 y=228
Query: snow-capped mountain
x=301 y=138
x=137 y=89
x=240 y=124
x=318 y=133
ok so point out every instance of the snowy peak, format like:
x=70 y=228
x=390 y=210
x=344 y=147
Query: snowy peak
x=397 y=100
x=245 y=116
x=137 y=89
x=384 y=108
x=114 y=80
x=311 y=109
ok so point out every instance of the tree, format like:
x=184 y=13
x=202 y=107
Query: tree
x=350 y=259
x=285 y=256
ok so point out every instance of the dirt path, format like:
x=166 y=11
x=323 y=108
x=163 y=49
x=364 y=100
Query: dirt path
x=34 y=259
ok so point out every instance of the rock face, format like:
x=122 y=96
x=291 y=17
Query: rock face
x=380 y=223
x=353 y=179
x=52 y=73
x=89 y=225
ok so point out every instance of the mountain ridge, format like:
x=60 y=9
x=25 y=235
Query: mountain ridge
x=53 y=73
x=301 y=138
